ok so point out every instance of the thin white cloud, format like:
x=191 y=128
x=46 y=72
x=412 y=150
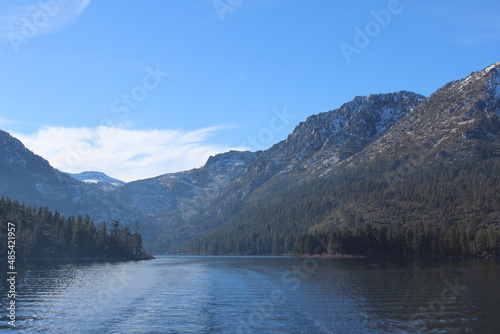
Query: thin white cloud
x=124 y=154
x=39 y=17
x=5 y=121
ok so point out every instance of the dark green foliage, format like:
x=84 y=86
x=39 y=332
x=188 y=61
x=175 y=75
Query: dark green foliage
x=435 y=209
x=43 y=234
x=410 y=240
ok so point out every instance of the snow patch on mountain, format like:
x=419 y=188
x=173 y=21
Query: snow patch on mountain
x=99 y=179
x=491 y=67
x=493 y=87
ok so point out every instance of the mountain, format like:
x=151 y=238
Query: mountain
x=174 y=204
x=99 y=179
x=182 y=191
x=163 y=203
x=171 y=200
x=459 y=121
x=325 y=139
x=378 y=159
x=28 y=178
x=438 y=164
x=447 y=150
x=189 y=204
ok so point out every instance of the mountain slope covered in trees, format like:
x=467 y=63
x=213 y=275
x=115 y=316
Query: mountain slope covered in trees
x=436 y=169
x=428 y=164
x=317 y=144
x=438 y=198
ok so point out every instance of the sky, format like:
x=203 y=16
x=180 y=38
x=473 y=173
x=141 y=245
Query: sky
x=137 y=89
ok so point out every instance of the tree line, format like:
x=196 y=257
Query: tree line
x=439 y=204
x=41 y=233
x=411 y=240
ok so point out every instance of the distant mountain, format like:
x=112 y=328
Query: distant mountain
x=171 y=200
x=99 y=179
x=28 y=178
x=162 y=203
x=374 y=159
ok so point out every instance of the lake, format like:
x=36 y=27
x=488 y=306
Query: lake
x=198 y=294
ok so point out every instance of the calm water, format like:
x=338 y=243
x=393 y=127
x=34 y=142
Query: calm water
x=258 y=295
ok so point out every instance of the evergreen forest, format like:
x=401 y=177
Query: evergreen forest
x=442 y=209
x=41 y=234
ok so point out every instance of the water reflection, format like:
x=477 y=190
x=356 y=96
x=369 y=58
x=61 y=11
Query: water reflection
x=421 y=296
x=259 y=294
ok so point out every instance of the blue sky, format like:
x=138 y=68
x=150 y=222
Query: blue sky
x=141 y=88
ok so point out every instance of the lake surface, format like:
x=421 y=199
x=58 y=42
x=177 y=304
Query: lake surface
x=257 y=295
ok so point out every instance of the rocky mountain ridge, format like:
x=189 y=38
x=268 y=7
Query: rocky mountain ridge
x=437 y=166
x=325 y=139
x=458 y=121
x=178 y=201
x=401 y=130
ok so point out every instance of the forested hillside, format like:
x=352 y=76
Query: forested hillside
x=428 y=185
x=386 y=164
x=42 y=234
x=441 y=209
